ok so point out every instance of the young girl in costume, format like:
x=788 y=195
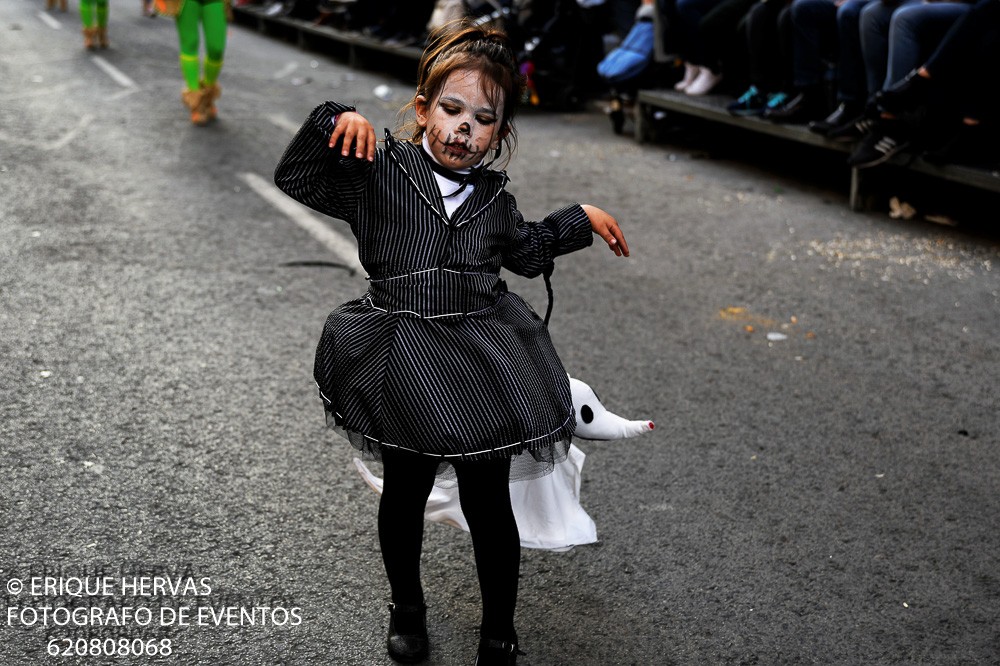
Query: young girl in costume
x=201 y=87
x=438 y=370
x=94 y=14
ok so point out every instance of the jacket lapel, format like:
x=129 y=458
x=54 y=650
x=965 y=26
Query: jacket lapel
x=486 y=190
x=419 y=175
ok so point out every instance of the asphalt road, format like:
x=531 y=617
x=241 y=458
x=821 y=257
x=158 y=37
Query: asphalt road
x=830 y=497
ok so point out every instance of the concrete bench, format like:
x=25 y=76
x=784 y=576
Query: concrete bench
x=713 y=108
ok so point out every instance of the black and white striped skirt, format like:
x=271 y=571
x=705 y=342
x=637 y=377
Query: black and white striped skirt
x=481 y=385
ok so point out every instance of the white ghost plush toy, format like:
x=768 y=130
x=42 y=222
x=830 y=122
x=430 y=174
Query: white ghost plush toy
x=547 y=510
x=594 y=421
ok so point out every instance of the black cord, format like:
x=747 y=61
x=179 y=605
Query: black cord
x=547 y=274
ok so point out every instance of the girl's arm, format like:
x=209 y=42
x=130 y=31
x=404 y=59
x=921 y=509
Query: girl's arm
x=538 y=243
x=561 y=232
x=606 y=227
x=315 y=170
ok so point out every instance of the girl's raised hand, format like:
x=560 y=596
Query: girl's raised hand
x=356 y=133
x=606 y=227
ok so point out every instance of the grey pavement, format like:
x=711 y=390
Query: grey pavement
x=821 y=486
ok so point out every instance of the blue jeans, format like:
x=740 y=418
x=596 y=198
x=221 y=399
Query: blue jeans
x=824 y=32
x=874 y=29
x=851 y=80
x=814 y=40
x=915 y=32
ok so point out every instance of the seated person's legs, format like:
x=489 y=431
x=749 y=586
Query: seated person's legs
x=851 y=90
x=814 y=33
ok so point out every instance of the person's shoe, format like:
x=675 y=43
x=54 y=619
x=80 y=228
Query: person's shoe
x=774 y=100
x=102 y=36
x=750 y=103
x=690 y=74
x=909 y=92
x=968 y=145
x=208 y=96
x=703 y=84
x=881 y=144
x=844 y=112
x=194 y=100
x=401 y=39
x=853 y=130
x=89 y=38
x=799 y=108
x=497 y=653
x=407 y=639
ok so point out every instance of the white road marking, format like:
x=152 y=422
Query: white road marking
x=286 y=70
x=123 y=93
x=58 y=89
x=283 y=122
x=338 y=244
x=70 y=135
x=50 y=21
x=85 y=120
x=115 y=73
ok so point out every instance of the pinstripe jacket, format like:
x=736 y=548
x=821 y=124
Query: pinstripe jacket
x=437 y=357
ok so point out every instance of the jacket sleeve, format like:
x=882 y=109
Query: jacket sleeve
x=536 y=244
x=315 y=174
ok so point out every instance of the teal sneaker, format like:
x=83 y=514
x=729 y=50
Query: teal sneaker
x=750 y=103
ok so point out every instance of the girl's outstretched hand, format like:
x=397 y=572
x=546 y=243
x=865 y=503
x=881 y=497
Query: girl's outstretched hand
x=606 y=227
x=356 y=133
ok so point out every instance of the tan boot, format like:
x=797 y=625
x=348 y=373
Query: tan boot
x=62 y=5
x=50 y=4
x=89 y=37
x=194 y=100
x=102 y=36
x=209 y=95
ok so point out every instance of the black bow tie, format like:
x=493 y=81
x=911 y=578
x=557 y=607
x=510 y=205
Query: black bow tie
x=463 y=179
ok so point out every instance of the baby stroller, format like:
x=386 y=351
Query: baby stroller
x=626 y=67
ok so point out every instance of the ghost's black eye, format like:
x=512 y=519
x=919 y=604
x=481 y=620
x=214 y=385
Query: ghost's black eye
x=587 y=414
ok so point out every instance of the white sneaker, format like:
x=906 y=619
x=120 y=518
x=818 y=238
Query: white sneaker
x=707 y=79
x=690 y=74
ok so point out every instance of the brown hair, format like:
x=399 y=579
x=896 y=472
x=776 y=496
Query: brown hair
x=463 y=45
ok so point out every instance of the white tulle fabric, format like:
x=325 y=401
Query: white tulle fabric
x=547 y=509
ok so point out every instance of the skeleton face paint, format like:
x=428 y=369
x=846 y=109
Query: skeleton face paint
x=461 y=124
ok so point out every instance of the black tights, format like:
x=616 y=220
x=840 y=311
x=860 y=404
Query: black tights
x=484 y=494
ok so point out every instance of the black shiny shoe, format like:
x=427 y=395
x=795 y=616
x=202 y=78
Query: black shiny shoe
x=497 y=653
x=843 y=113
x=407 y=640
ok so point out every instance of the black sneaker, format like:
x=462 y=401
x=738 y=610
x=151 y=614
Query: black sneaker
x=968 y=145
x=750 y=103
x=853 y=130
x=844 y=112
x=906 y=94
x=797 y=109
x=880 y=145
